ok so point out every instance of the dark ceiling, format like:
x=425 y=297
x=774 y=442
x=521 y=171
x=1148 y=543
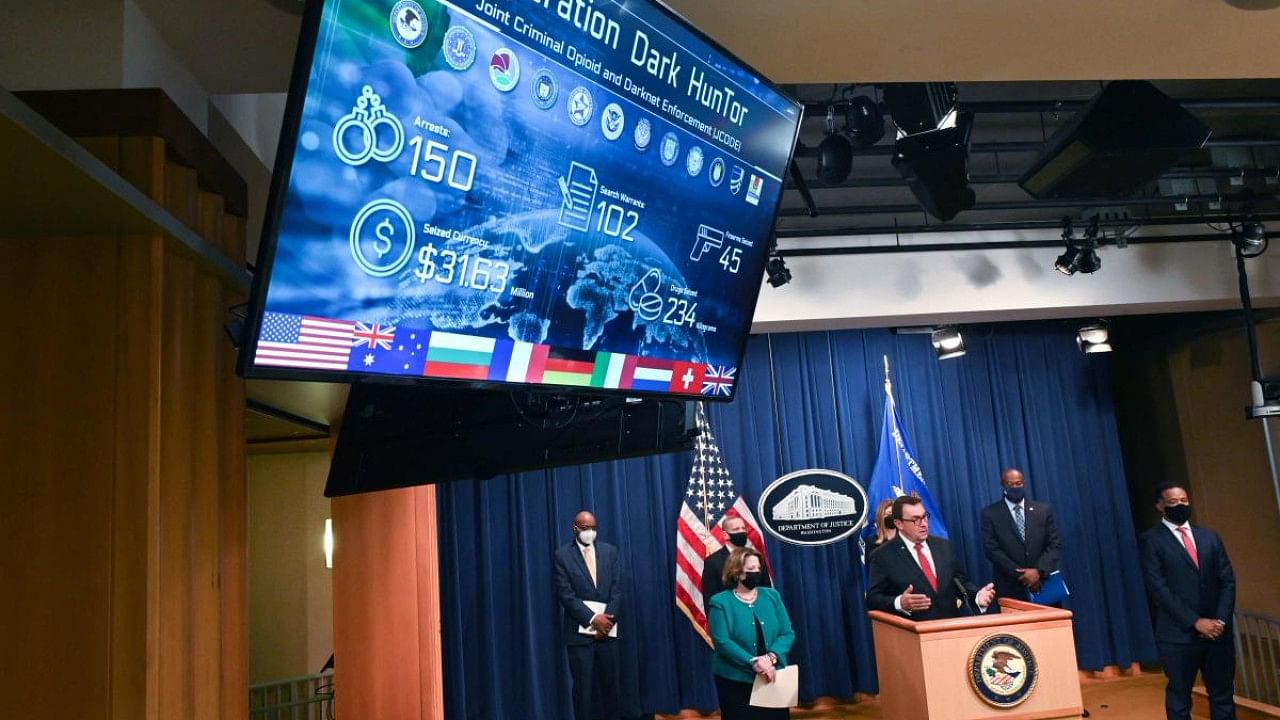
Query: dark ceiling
x=1011 y=125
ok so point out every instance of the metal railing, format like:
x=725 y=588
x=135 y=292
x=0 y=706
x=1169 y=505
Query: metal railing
x=304 y=698
x=1257 y=639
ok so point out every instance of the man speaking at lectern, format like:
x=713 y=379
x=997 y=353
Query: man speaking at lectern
x=917 y=576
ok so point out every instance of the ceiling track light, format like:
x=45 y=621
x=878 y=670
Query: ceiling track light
x=1094 y=338
x=775 y=267
x=947 y=342
x=835 y=153
x=1081 y=255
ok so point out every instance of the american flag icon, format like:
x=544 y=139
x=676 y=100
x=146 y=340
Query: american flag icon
x=303 y=341
x=718 y=380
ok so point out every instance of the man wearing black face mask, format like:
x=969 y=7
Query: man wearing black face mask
x=1020 y=538
x=713 y=567
x=1191 y=584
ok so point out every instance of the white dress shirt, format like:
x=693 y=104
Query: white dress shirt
x=924 y=547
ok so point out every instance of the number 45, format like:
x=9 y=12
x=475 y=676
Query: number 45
x=730 y=259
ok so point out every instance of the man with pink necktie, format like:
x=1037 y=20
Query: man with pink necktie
x=588 y=579
x=1193 y=590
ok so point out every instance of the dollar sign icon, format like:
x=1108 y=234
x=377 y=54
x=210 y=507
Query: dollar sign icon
x=394 y=229
x=384 y=232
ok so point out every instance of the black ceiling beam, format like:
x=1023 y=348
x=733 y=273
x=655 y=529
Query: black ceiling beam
x=994 y=226
x=803 y=150
x=813 y=109
x=1031 y=204
x=1008 y=179
x=1010 y=245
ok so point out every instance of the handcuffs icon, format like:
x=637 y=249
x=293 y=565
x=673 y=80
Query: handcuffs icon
x=367 y=115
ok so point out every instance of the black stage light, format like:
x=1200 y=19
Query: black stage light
x=1080 y=255
x=835 y=153
x=776 y=269
x=947 y=342
x=1252 y=235
x=935 y=165
x=1128 y=135
x=1094 y=338
x=863 y=122
x=920 y=107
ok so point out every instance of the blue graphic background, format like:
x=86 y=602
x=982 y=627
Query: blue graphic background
x=580 y=282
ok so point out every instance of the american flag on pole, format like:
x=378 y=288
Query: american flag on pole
x=711 y=496
x=304 y=341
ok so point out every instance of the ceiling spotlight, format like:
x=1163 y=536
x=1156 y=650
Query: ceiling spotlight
x=947 y=342
x=1080 y=255
x=1094 y=338
x=863 y=122
x=835 y=153
x=1252 y=235
x=776 y=269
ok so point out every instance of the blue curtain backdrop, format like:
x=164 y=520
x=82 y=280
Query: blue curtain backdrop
x=1024 y=396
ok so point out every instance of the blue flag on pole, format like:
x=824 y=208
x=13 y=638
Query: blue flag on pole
x=896 y=471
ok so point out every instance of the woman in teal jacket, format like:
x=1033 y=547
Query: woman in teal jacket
x=752 y=635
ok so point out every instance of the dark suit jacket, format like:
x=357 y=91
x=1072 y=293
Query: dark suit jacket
x=1182 y=594
x=573 y=586
x=1007 y=552
x=713 y=568
x=893 y=568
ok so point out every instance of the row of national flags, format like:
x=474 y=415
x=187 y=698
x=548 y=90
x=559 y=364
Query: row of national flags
x=301 y=341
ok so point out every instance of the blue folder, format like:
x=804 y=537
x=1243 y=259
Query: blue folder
x=1053 y=589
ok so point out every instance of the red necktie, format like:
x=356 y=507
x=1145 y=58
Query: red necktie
x=1191 y=549
x=928 y=569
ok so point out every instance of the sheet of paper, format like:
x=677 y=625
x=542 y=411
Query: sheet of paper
x=784 y=691
x=597 y=607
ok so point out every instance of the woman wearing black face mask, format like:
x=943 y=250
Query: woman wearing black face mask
x=885 y=530
x=752 y=635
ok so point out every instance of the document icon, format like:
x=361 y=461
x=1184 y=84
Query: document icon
x=578 y=192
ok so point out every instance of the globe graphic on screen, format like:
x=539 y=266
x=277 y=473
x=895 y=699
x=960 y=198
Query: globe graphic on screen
x=601 y=300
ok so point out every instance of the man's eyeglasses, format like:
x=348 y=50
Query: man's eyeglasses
x=916 y=520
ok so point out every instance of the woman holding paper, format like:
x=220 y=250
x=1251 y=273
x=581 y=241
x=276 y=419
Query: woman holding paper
x=752 y=635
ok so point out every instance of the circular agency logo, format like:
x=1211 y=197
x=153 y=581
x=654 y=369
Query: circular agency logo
x=1002 y=670
x=693 y=161
x=408 y=23
x=545 y=89
x=813 y=507
x=504 y=69
x=669 y=149
x=612 y=121
x=716 y=173
x=643 y=134
x=459 y=48
x=580 y=106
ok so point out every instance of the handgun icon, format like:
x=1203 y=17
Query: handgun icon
x=708 y=238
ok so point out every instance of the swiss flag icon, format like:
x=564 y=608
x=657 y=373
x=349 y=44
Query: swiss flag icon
x=687 y=377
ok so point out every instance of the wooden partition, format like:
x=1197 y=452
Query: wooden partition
x=122 y=494
x=386 y=606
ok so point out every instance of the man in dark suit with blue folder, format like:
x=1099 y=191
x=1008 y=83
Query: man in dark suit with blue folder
x=1020 y=538
x=589 y=587
x=1193 y=590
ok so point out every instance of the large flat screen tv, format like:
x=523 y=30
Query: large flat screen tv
x=559 y=193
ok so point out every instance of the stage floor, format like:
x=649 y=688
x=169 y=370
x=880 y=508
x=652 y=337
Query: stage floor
x=1130 y=698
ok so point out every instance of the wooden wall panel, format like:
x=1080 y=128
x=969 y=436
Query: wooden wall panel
x=386 y=606
x=122 y=504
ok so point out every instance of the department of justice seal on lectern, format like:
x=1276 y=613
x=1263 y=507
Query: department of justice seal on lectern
x=1002 y=670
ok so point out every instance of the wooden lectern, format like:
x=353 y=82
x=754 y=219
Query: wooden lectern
x=931 y=670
